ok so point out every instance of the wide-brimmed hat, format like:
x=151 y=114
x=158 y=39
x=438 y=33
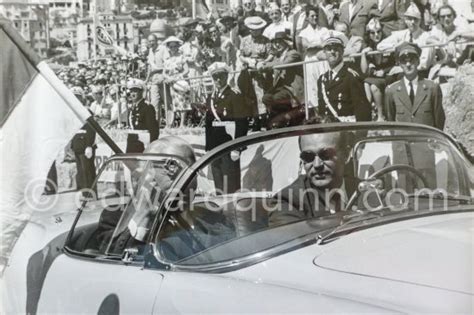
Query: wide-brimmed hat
x=283 y=36
x=173 y=39
x=255 y=22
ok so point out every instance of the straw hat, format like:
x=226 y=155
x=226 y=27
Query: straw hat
x=255 y=22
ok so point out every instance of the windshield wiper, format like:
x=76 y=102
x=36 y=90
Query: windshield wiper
x=348 y=220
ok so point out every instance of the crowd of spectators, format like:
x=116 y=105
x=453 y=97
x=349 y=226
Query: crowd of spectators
x=250 y=39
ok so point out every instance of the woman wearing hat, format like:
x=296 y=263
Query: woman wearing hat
x=376 y=68
x=175 y=69
x=255 y=50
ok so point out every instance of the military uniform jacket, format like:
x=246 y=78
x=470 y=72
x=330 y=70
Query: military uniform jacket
x=345 y=92
x=427 y=108
x=227 y=107
x=143 y=117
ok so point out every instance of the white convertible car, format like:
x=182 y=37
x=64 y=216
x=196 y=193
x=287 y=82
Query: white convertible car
x=337 y=218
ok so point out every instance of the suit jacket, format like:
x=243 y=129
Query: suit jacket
x=298 y=201
x=345 y=93
x=143 y=117
x=427 y=108
x=228 y=107
x=363 y=11
x=391 y=15
x=290 y=78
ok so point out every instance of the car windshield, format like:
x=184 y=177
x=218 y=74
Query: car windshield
x=123 y=201
x=283 y=189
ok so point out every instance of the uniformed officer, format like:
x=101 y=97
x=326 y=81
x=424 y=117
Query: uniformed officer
x=225 y=120
x=83 y=145
x=141 y=116
x=412 y=99
x=341 y=95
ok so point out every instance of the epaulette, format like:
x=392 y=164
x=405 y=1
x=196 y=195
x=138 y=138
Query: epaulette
x=354 y=73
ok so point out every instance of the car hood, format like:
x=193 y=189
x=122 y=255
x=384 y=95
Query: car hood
x=415 y=265
x=434 y=254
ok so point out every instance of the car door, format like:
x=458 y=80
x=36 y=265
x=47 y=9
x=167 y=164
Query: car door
x=101 y=269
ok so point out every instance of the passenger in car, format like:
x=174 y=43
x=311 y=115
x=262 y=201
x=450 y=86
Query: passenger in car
x=324 y=186
x=154 y=187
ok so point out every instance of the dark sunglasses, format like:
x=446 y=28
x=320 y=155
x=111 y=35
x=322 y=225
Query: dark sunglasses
x=375 y=32
x=325 y=155
x=408 y=58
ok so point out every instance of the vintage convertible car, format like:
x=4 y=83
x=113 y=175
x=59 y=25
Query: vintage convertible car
x=363 y=218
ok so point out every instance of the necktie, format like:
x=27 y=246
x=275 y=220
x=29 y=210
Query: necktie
x=411 y=38
x=412 y=94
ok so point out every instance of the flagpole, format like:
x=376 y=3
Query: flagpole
x=94 y=26
x=194 y=8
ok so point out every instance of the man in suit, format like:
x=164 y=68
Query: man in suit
x=391 y=15
x=83 y=145
x=226 y=119
x=341 y=95
x=322 y=189
x=412 y=99
x=356 y=14
x=142 y=116
x=283 y=100
x=416 y=100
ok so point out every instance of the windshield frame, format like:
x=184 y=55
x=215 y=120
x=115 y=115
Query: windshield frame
x=122 y=157
x=308 y=239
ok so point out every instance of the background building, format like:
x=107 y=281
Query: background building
x=120 y=27
x=31 y=20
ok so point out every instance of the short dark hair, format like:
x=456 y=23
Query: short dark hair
x=310 y=8
x=449 y=7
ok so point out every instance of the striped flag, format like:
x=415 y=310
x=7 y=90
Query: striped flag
x=38 y=116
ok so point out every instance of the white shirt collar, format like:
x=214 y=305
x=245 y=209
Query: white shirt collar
x=414 y=82
x=336 y=69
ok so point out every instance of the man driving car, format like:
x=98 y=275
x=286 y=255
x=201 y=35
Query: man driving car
x=321 y=189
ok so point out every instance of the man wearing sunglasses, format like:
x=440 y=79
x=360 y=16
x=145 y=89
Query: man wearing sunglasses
x=322 y=189
x=413 y=99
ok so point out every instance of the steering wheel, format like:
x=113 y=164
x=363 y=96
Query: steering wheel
x=383 y=171
x=401 y=167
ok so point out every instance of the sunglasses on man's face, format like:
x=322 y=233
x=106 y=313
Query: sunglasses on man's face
x=408 y=59
x=325 y=155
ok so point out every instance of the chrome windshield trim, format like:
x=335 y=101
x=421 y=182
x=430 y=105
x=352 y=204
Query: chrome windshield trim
x=300 y=242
